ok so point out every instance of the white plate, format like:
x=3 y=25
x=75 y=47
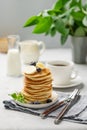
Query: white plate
x=54 y=100
x=72 y=83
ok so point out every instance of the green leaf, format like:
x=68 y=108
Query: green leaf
x=53 y=12
x=84 y=21
x=80 y=4
x=77 y=15
x=31 y=21
x=18 y=96
x=43 y=25
x=58 y=5
x=60 y=26
x=79 y=31
x=53 y=31
x=63 y=39
x=64 y=2
x=76 y=3
x=13 y=95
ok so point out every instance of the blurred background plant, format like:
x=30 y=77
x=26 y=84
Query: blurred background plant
x=67 y=17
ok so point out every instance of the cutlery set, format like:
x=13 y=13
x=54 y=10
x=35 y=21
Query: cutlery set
x=66 y=103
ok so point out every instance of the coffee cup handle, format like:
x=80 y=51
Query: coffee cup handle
x=41 y=47
x=74 y=74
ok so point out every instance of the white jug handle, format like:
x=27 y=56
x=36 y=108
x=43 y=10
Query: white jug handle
x=41 y=47
x=74 y=74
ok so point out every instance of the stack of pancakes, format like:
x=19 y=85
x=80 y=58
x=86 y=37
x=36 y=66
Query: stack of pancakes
x=37 y=85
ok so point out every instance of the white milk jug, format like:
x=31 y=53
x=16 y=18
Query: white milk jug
x=31 y=50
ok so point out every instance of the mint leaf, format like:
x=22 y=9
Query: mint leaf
x=58 y=5
x=63 y=39
x=60 y=26
x=53 y=31
x=31 y=21
x=13 y=95
x=18 y=97
x=43 y=25
x=78 y=15
x=53 y=12
x=73 y=3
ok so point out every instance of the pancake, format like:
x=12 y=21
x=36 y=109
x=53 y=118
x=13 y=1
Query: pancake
x=37 y=84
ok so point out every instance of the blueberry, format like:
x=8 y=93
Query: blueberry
x=38 y=69
x=36 y=102
x=49 y=100
x=31 y=102
x=33 y=63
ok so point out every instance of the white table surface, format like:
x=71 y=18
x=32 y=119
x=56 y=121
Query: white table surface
x=12 y=120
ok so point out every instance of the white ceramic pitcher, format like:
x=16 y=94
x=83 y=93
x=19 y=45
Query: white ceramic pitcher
x=31 y=50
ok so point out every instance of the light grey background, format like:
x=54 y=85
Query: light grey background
x=14 y=13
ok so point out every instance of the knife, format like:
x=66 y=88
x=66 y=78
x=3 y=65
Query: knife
x=66 y=107
x=57 y=105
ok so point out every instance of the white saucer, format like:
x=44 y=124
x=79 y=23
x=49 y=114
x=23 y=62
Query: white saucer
x=54 y=100
x=72 y=83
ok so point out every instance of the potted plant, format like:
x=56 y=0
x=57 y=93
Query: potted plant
x=67 y=17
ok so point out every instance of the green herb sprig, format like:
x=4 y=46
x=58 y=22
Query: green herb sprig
x=18 y=97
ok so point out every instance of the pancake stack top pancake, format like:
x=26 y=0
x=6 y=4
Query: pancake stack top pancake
x=37 y=83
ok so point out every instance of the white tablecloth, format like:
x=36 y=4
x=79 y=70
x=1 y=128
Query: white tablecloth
x=12 y=120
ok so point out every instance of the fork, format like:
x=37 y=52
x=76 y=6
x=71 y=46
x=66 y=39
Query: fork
x=57 y=105
x=67 y=106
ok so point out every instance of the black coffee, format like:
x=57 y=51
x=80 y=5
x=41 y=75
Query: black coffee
x=59 y=65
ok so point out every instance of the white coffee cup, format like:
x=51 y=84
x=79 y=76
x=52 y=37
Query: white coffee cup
x=31 y=50
x=62 y=71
